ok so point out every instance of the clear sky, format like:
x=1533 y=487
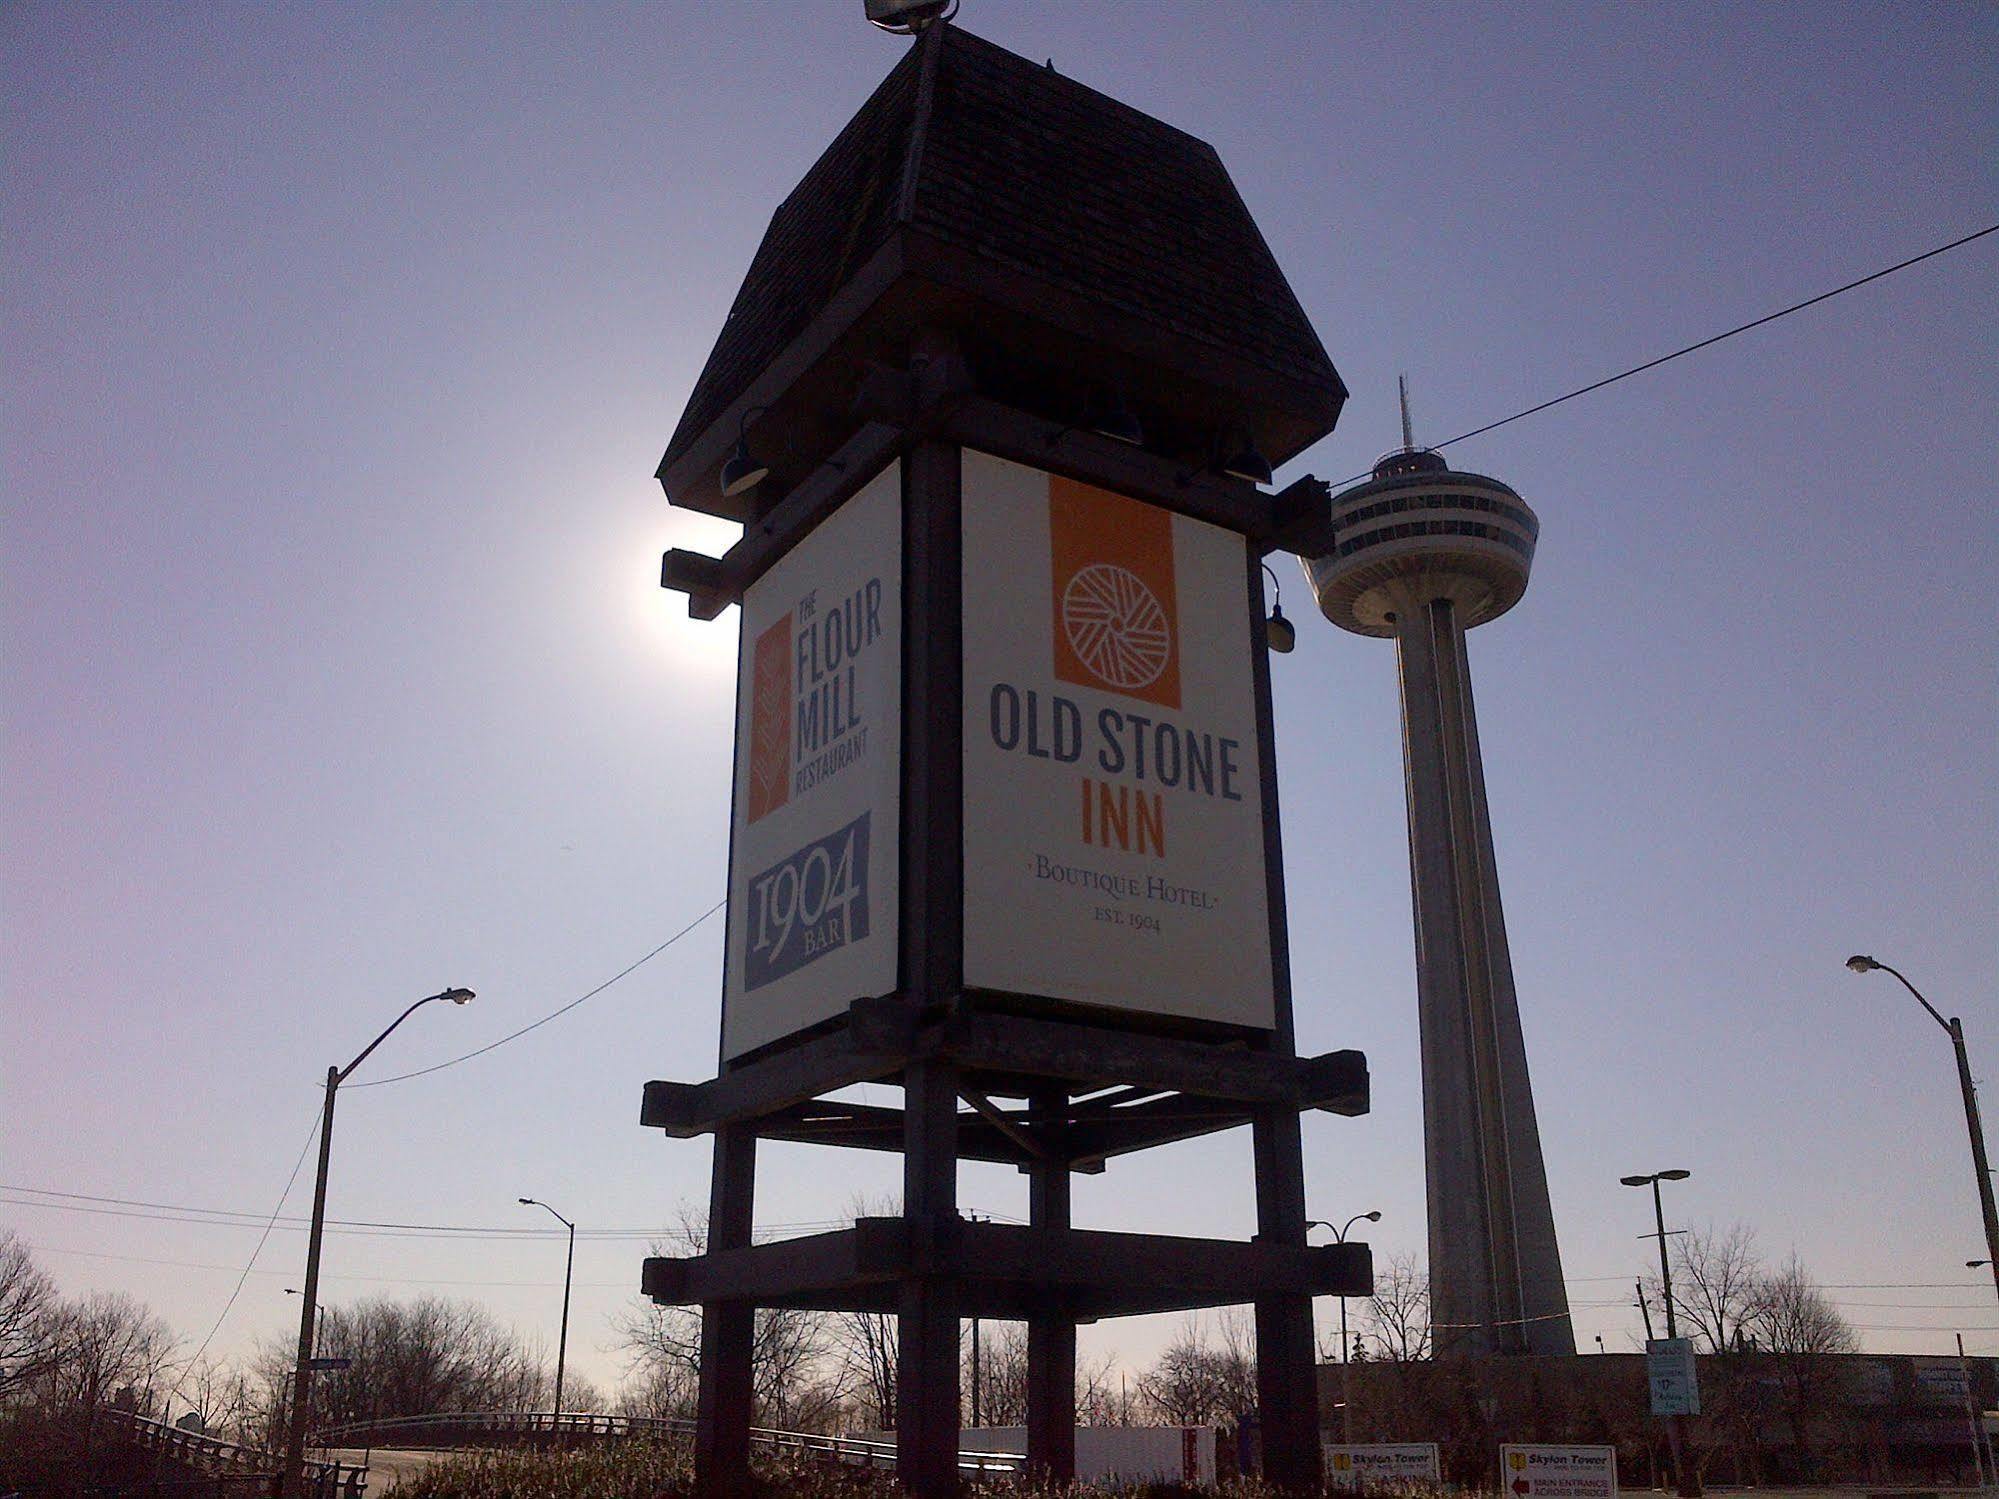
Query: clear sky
x=340 y=344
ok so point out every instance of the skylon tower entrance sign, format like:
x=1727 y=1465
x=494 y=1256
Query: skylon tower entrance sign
x=1004 y=829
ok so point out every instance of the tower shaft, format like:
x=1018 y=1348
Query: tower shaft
x=1495 y=1269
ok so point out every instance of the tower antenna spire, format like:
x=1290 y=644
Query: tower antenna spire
x=1408 y=432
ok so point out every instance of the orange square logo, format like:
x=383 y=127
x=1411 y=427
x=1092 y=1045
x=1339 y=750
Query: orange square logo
x=1117 y=615
x=770 y=720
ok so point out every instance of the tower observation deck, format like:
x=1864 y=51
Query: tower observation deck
x=1420 y=554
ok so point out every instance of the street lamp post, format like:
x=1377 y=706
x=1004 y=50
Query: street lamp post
x=1340 y=1237
x=294 y=1465
x=1676 y=1429
x=1981 y=1168
x=568 y=1269
x=319 y=1310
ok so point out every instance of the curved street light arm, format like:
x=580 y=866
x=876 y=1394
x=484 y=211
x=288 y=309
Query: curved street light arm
x=452 y=994
x=536 y=1202
x=1917 y=992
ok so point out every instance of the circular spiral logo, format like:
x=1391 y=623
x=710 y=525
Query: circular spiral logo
x=1115 y=626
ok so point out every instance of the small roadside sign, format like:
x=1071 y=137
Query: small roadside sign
x=1669 y=1369
x=1352 y=1466
x=328 y=1365
x=1537 y=1472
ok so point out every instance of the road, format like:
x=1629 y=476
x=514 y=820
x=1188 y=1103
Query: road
x=387 y=1467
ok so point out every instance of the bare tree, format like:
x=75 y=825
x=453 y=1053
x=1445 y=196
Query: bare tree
x=409 y=1358
x=663 y=1392
x=1718 y=1285
x=1798 y=1323
x=108 y=1348
x=221 y=1396
x=580 y=1394
x=1002 y=1374
x=28 y=1320
x=1205 y=1376
x=1104 y=1395
x=1397 y=1315
x=865 y=1347
x=1100 y=1398
x=1794 y=1316
x=663 y=1347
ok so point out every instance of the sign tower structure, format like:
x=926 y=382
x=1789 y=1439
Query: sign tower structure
x=992 y=405
x=1419 y=554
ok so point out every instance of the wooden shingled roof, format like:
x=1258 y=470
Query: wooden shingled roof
x=1073 y=243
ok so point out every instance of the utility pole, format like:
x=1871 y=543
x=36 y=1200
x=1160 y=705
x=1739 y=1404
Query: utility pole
x=1689 y=1482
x=568 y=1269
x=1981 y=1167
x=292 y=1475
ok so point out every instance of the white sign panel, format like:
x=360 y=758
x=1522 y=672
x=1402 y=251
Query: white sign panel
x=1559 y=1472
x=1114 y=848
x=1670 y=1372
x=815 y=840
x=1363 y=1464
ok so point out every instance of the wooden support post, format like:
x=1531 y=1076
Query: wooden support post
x=927 y=1425
x=933 y=946
x=1051 y=1334
x=1287 y=1388
x=728 y=1330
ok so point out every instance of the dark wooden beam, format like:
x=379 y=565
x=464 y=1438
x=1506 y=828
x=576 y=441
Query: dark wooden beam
x=780 y=1095
x=985 y=1041
x=896 y=408
x=857 y=1052
x=1286 y=1382
x=1010 y=1270
x=878 y=1127
x=714 y=583
x=1100 y=1134
x=1008 y=1126
x=728 y=1330
x=1336 y=1082
x=1301 y=517
x=1051 y=1329
x=1078 y=453
x=927 y=1382
x=701 y=577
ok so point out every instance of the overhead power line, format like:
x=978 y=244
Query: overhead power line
x=144 y=1210
x=166 y=1212
x=1652 y=364
x=174 y=1212
x=250 y=1264
x=629 y=969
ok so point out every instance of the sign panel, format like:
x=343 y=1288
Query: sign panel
x=1940 y=1381
x=1530 y=1472
x=1114 y=840
x=329 y=1365
x=1669 y=1369
x=1353 y=1466
x=814 y=846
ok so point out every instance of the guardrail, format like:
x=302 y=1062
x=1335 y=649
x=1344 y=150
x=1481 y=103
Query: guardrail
x=213 y=1456
x=533 y=1428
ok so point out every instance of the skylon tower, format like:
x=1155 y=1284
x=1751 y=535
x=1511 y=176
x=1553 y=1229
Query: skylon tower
x=1421 y=554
